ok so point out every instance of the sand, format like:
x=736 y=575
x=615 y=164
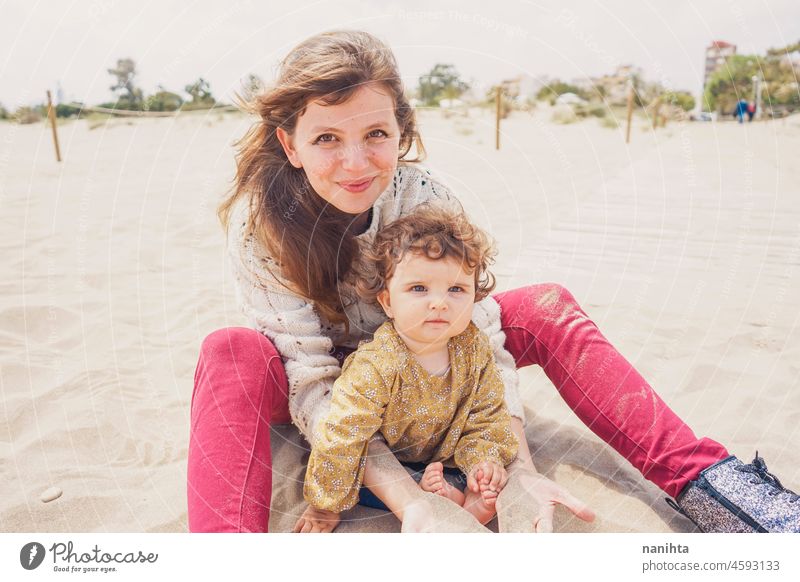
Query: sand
x=682 y=246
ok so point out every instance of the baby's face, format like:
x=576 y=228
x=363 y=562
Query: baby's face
x=429 y=300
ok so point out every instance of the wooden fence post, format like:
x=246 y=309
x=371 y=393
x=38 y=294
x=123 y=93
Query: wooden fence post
x=51 y=113
x=630 y=112
x=498 y=99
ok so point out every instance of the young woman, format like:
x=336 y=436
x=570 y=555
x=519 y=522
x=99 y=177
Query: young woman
x=328 y=164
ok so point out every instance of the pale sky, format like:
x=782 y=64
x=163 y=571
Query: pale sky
x=175 y=42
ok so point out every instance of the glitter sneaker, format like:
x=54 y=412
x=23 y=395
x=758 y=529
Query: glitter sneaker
x=731 y=497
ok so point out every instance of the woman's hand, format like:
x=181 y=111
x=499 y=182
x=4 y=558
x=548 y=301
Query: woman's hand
x=316 y=520
x=528 y=501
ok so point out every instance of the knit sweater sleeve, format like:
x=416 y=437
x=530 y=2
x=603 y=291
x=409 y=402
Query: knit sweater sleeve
x=290 y=322
x=486 y=316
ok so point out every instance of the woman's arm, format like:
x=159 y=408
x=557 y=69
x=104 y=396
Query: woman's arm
x=528 y=500
x=418 y=510
x=390 y=482
x=524 y=459
x=289 y=321
x=388 y=479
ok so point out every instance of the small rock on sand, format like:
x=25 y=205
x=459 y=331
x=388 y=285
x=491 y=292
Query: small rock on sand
x=50 y=494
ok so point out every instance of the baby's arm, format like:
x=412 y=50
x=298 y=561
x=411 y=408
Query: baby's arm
x=487 y=444
x=336 y=465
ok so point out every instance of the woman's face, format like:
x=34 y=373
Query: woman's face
x=348 y=151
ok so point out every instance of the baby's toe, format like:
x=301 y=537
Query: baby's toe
x=432 y=478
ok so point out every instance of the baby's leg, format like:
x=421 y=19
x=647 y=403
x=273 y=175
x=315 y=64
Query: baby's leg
x=433 y=482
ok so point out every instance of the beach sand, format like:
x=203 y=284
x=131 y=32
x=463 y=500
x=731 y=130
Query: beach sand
x=682 y=246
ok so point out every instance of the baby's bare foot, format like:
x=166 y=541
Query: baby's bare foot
x=433 y=479
x=433 y=482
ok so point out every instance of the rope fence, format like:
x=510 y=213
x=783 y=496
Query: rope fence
x=132 y=113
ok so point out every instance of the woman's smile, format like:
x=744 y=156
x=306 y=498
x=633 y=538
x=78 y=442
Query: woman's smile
x=357 y=185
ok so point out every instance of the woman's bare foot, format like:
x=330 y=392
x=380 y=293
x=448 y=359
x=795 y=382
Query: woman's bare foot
x=433 y=481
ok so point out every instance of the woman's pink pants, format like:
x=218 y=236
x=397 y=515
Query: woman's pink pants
x=240 y=388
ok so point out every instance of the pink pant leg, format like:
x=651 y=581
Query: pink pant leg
x=240 y=386
x=544 y=325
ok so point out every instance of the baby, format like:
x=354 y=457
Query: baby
x=427 y=383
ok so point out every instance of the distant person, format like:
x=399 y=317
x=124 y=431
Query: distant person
x=751 y=110
x=741 y=109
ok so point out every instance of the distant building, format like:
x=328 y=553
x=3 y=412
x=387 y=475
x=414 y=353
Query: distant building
x=716 y=55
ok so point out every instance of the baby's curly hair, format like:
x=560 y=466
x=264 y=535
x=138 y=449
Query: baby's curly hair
x=428 y=231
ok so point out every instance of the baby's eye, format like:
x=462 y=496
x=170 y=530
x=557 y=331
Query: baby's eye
x=418 y=288
x=456 y=289
x=325 y=138
x=377 y=133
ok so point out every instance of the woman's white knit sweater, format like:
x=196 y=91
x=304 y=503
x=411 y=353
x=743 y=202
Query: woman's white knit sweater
x=304 y=339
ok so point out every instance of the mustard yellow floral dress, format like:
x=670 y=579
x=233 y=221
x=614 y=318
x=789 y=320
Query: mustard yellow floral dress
x=459 y=419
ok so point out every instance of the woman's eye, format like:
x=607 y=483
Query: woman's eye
x=325 y=138
x=377 y=133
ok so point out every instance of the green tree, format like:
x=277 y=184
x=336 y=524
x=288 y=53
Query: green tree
x=3 y=112
x=781 y=89
x=64 y=110
x=682 y=99
x=644 y=92
x=200 y=92
x=163 y=100
x=25 y=114
x=128 y=95
x=733 y=81
x=442 y=82
x=553 y=90
x=791 y=48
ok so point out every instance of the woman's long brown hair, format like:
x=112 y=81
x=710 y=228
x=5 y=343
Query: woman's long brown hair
x=307 y=237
